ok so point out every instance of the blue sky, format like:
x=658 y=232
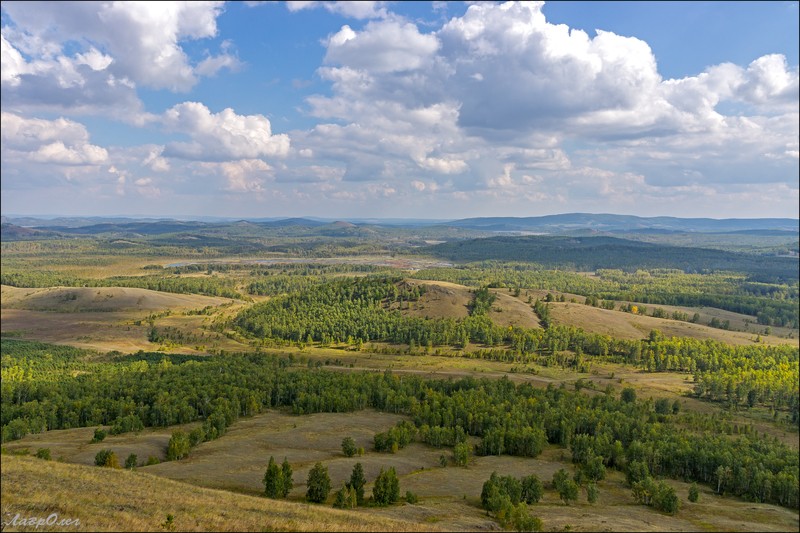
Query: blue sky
x=400 y=109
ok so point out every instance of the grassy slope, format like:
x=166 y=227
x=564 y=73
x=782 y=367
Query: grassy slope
x=120 y=500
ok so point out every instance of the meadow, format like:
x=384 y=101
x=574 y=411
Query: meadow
x=165 y=310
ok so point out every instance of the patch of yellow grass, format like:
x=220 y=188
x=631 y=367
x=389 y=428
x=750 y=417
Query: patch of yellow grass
x=104 y=499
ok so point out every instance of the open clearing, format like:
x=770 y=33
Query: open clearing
x=629 y=326
x=103 y=499
x=236 y=462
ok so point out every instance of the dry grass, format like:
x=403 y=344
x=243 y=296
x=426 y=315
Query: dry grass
x=101 y=299
x=441 y=300
x=449 y=497
x=105 y=318
x=120 y=500
x=629 y=326
x=508 y=310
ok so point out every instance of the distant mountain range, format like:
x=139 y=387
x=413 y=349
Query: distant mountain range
x=551 y=224
x=565 y=224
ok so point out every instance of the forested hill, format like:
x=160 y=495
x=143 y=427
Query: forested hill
x=592 y=253
x=609 y=222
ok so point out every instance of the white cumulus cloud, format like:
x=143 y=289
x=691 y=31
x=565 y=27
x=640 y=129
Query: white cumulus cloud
x=221 y=136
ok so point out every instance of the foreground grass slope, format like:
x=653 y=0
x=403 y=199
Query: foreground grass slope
x=121 y=500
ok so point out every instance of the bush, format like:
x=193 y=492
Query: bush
x=628 y=395
x=152 y=460
x=99 y=435
x=694 y=493
x=318 y=484
x=131 y=461
x=106 y=458
x=349 y=447
x=592 y=493
x=411 y=497
x=43 y=453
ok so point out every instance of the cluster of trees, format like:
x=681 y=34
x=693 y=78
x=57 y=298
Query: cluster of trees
x=507 y=498
x=506 y=418
x=209 y=286
x=773 y=303
x=354 y=311
x=278 y=481
x=396 y=438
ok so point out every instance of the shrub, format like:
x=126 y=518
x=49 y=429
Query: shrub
x=99 y=435
x=694 y=493
x=131 y=461
x=349 y=447
x=106 y=458
x=43 y=453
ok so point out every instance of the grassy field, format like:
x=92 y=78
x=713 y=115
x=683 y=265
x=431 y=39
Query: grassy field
x=236 y=463
x=218 y=486
x=104 y=499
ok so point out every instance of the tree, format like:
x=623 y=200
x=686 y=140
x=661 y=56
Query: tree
x=628 y=395
x=591 y=492
x=345 y=498
x=666 y=499
x=694 y=493
x=349 y=446
x=532 y=489
x=386 y=489
x=461 y=453
x=131 y=461
x=178 y=446
x=357 y=482
x=106 y=458
x=567 y=489
x=288 y=483
x=521 y=519
x=318 y=484
x=273 y=480
x=99 y=435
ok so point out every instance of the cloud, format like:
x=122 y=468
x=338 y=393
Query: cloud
x=221 y=136
x=513 y=106
x=383 y=46
x=358 y=10
x=247 y=175
x=89 y=57
x=59 y=142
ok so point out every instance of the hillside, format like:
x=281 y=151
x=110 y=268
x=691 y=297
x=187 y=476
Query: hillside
x=96 y=299
x=592 y=253
x=121 y=500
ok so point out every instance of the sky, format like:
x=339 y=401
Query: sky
x=432 y=110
